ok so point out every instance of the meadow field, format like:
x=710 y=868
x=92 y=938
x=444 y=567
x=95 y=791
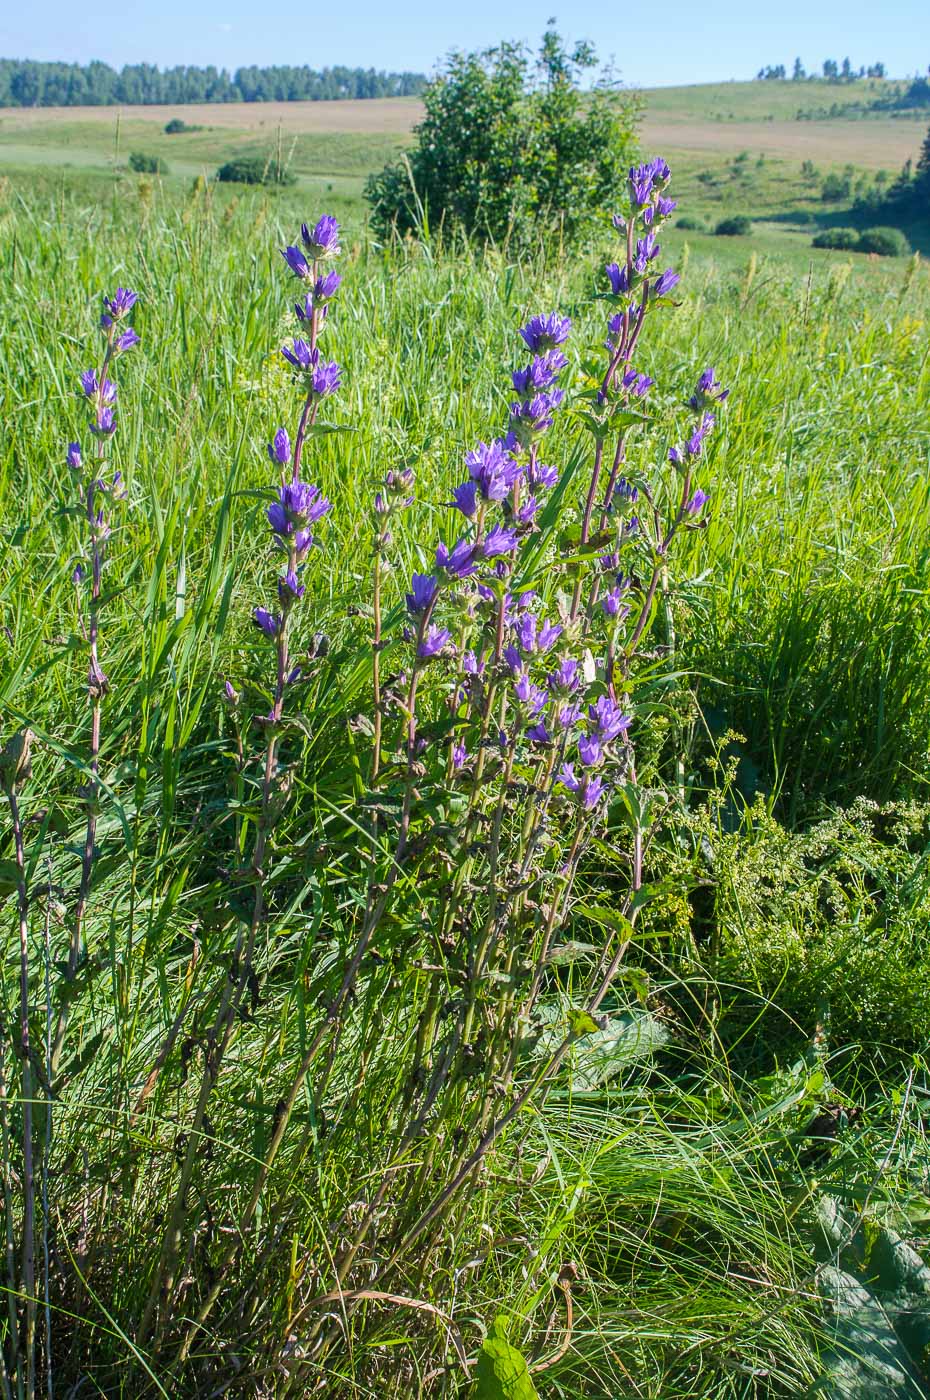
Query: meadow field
x=292 y=1143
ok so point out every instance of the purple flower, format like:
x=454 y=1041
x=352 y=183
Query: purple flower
x=546 y=332
x=106 y=393
x=608 y=719
x=565 y=679
x=709 y=390
x=697 y=502
x=537 y=474
x=230 y=694
x=300 y=355
x=567 y=715
x=513 y=659
x=664 y=206
x=528 y=694
x=665 y=283
x=268 y=623
x=118 y=305
x=540 y=374
x=492 y=470
x=549 y=634
x=298 y=505
x=279 y=449
x=636 y=383
x=74 y=456
x=619 y=279
x=625 y=493
x=326 y=379
x=290 y=589
x=304 y=310
x=465 y=498
x=297 y=262
x=105 y=424
x=613 y=604
x=326 y=287
x=646 y=249
x=695 y=442
x=459 y=754
x=525 y=630
x=533 y=416
x=538 y=733
x=588 y=789
x=528 y=511
x=457 y=562
x=321 y=241
x=126 y=341
x=422 y=592
x=589 y=750
x=498 y=540
x=471 y=665
x=642 y=178
x=433 y=643
x=567 y=777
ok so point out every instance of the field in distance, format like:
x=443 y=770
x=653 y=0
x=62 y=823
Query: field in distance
x=736 y=147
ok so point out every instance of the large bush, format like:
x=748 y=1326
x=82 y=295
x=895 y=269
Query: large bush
x=144 y=164
x=842 y=238
x=739 y=226
x=886 y=242
x=509 y=148
x=255 y=170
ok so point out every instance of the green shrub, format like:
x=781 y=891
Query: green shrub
x=845 y=238
x=830 y=923
x=736 y=227
x=503 y=155
x=687 y=221
x=834 y=188
x=886 y=242
x=144 y=164
x=176 y=126
x=255 y=170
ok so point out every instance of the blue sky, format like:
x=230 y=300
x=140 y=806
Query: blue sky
x=678 y=42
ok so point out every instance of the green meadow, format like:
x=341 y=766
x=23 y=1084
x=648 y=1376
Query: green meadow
x=728 y=1196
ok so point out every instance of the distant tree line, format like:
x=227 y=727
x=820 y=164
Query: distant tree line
x=907 y=197
x=832 y=72
x=26 y=83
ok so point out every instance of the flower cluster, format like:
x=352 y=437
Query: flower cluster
x=95 y=492
x=523 y=679
x=299 y=505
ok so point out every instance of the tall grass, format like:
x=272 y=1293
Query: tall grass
x=664 y=1201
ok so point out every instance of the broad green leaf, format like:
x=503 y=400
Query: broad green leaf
x=501 y=1372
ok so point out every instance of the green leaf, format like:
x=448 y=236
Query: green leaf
x=606 y=917
x=582 y=1022
x=501 y=1372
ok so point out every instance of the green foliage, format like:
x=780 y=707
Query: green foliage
x=144 y=164
x=689 y=223
x=841 y=238
x=28 y=83
x=506 y=151
x=886 y=242
x=501 y=1372
x=662 y=1163
x=832 y=924
x=835 y=188
x=177 y=126
x=739 y=226
x=255 y=170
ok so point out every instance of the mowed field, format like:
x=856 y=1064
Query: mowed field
x=712 y=119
